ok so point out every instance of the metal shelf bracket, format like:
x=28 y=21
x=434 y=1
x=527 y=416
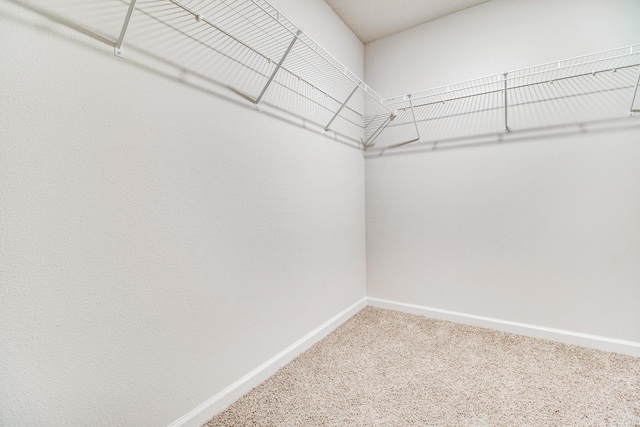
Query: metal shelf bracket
x=415 y=122
x=369 y=142
x=118 y=47
x=326 y=128
x=635 y=92
x=506 y=122
x=255 y=104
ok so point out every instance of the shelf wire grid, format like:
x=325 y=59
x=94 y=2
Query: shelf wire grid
x=241 y=44
x=584 y=89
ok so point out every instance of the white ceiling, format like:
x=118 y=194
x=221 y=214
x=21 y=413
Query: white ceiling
x=374 y=19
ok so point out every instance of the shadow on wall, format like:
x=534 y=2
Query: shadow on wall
x=193 y=63
x=500 y=138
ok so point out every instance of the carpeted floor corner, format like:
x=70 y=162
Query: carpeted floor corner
x=386 y=368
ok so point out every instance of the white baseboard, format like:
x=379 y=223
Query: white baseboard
x=559 y=335
x=226 y=397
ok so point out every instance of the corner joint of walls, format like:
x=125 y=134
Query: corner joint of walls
x=233 y=392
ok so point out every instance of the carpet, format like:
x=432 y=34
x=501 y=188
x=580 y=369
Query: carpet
x=387 y=368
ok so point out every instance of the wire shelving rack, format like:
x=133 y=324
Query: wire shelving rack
x=249 y=46
x=580 y=90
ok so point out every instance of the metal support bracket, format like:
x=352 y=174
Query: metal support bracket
x=635 y=92
x=255 y=104
x=369 y=142
x=415 y=122
x=118 y=47
x=506 y=123
x=326 y=128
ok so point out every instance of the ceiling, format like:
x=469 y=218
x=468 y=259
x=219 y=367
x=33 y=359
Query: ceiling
x=374 y=19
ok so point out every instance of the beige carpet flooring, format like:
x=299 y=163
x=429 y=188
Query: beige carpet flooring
x=386 y=368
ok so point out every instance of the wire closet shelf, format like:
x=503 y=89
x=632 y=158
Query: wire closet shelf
x=251 y=48
x=581 y=90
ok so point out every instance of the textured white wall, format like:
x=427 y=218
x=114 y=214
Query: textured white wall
x=157 y=242
x=544 y=232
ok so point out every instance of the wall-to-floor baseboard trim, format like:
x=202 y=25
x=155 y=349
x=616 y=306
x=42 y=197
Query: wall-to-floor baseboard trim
x=226 y=397
x=568 y=337
x=223 y=399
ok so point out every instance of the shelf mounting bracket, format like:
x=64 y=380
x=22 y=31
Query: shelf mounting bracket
x=633 y=98
x=369 y=142
x=118 y=47
x=326 y=128
x=415 y=122
x=506 y=123
x=255 y=104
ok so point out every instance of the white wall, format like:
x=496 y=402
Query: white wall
x=157 y=241
x=544 y=232
x=495 y=37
